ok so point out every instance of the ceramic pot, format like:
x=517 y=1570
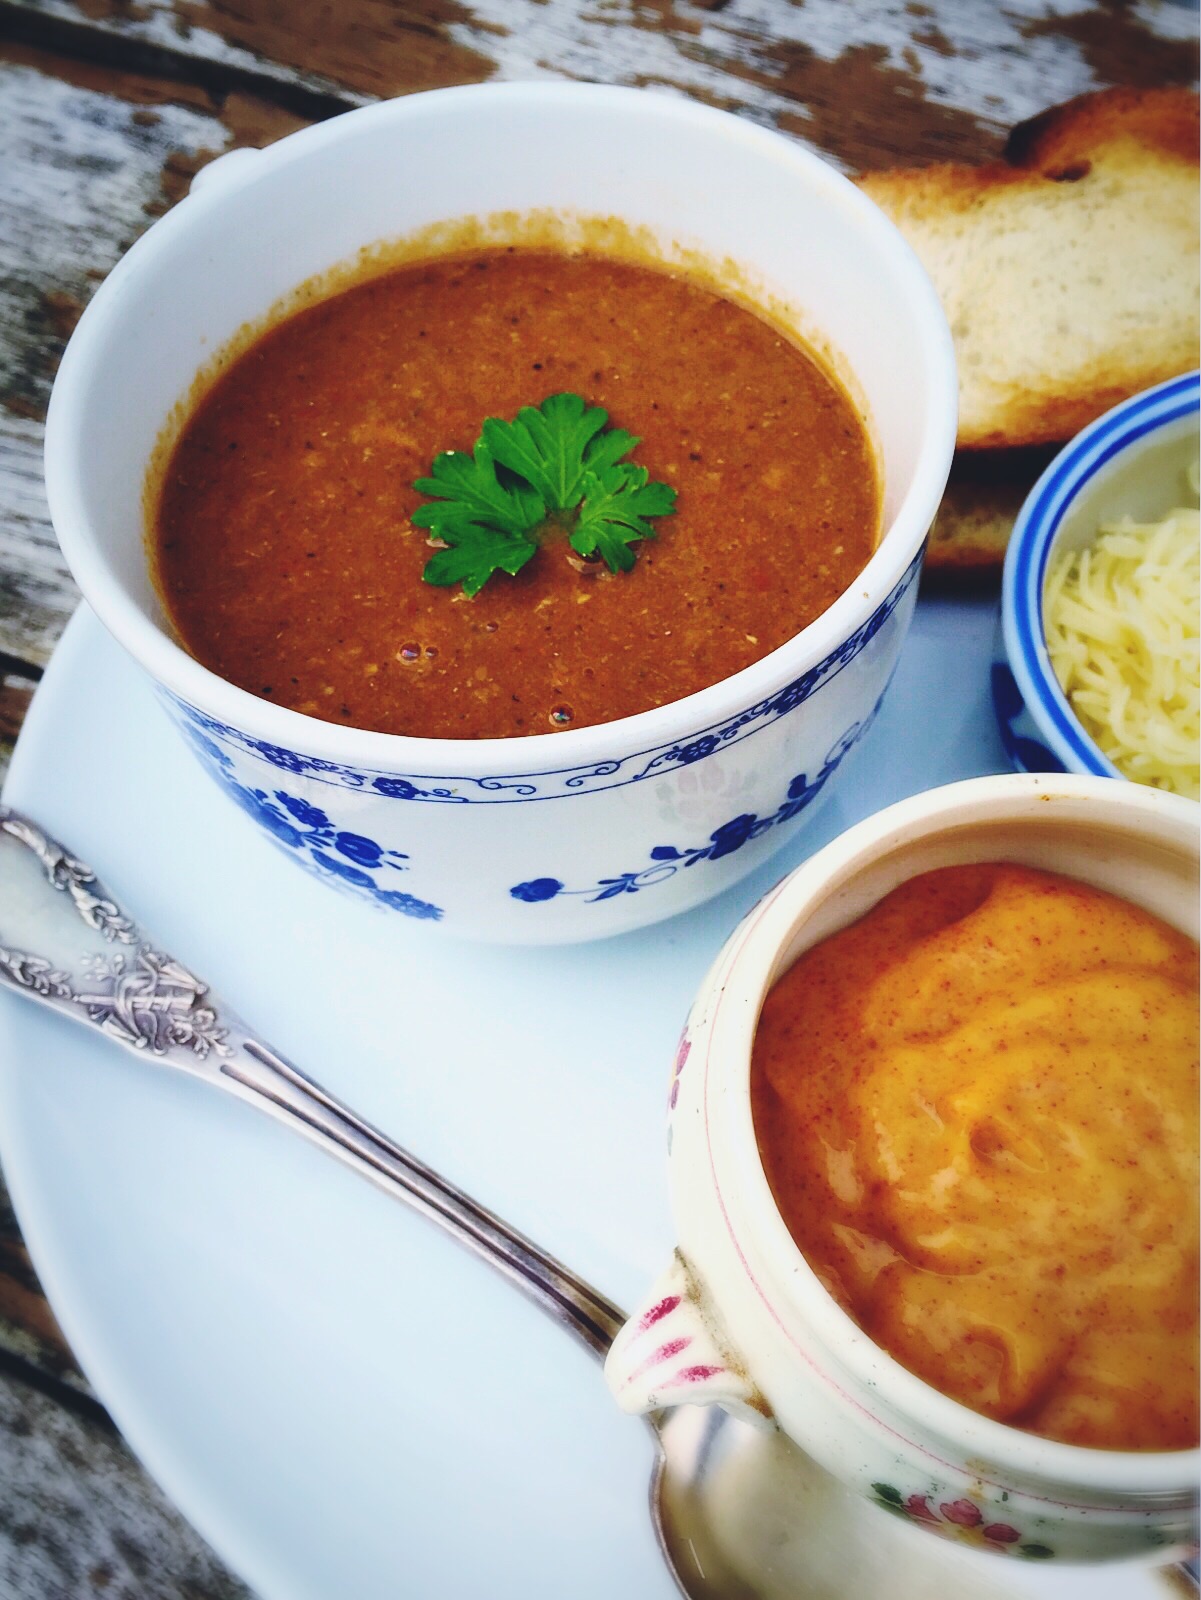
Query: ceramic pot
x=741 y=1320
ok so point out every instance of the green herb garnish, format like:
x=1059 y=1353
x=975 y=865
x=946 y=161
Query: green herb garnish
x=554 y=468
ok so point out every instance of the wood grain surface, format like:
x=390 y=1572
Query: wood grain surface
x=107 y=110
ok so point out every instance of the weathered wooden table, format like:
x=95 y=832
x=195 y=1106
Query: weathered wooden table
x=107 y=109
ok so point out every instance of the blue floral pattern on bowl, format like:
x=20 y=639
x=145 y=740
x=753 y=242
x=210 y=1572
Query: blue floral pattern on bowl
x=667 y=859
x=554 y=783
x=199 y=726
x=353 y=860
x=343 y=825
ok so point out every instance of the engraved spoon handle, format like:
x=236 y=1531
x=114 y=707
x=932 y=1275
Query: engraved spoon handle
x=76 y=951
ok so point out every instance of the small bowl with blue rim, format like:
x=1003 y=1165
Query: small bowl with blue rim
x=1133 y=461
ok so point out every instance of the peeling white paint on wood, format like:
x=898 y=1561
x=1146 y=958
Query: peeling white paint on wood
x=79 y=174
x=985 y=59
x=1168 y=19
x=980 y=59
x=37 y=593
x=160 y=23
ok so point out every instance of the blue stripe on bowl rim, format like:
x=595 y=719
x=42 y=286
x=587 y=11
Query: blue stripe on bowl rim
x=1030 y=549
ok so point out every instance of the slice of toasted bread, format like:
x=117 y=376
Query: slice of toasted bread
x=1069 y=270
x=983 y=497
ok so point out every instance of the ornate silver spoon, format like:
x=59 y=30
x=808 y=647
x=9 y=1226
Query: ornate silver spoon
x=65 y=942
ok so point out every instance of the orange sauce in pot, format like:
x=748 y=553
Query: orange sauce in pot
x=977 y=1110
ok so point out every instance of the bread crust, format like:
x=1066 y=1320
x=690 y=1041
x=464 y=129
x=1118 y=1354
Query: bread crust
x=1069 y=269
x=1165 y=120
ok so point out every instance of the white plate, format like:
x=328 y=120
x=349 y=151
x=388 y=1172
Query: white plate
x=345 y=1403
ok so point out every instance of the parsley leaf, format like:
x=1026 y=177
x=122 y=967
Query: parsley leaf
x=474 y=553
x=524 y=479
x=617 y=503
x=470 y=492
x=546 y=446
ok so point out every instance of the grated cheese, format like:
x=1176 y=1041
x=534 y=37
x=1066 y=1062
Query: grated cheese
x=1121 y=620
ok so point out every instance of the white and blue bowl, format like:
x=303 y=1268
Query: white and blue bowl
x=591 y=831
x=1133 y=462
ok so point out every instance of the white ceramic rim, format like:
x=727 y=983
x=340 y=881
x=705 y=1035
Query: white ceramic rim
x=1134 y=424
x=169 y=664
x=950 y=809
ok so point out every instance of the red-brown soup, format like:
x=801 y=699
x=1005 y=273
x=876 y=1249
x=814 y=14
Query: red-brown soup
x=290 y=566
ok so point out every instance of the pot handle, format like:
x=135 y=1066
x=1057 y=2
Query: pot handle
x=673 y=1352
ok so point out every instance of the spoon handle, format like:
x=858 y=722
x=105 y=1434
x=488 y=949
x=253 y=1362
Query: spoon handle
x=77 y=952
x=268 y=1080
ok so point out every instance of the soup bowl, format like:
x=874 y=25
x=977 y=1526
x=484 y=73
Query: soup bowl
x=741 y=1320
x=561 y=836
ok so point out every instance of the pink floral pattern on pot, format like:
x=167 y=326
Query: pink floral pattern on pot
x=960 y=1519
x=682 y=1050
